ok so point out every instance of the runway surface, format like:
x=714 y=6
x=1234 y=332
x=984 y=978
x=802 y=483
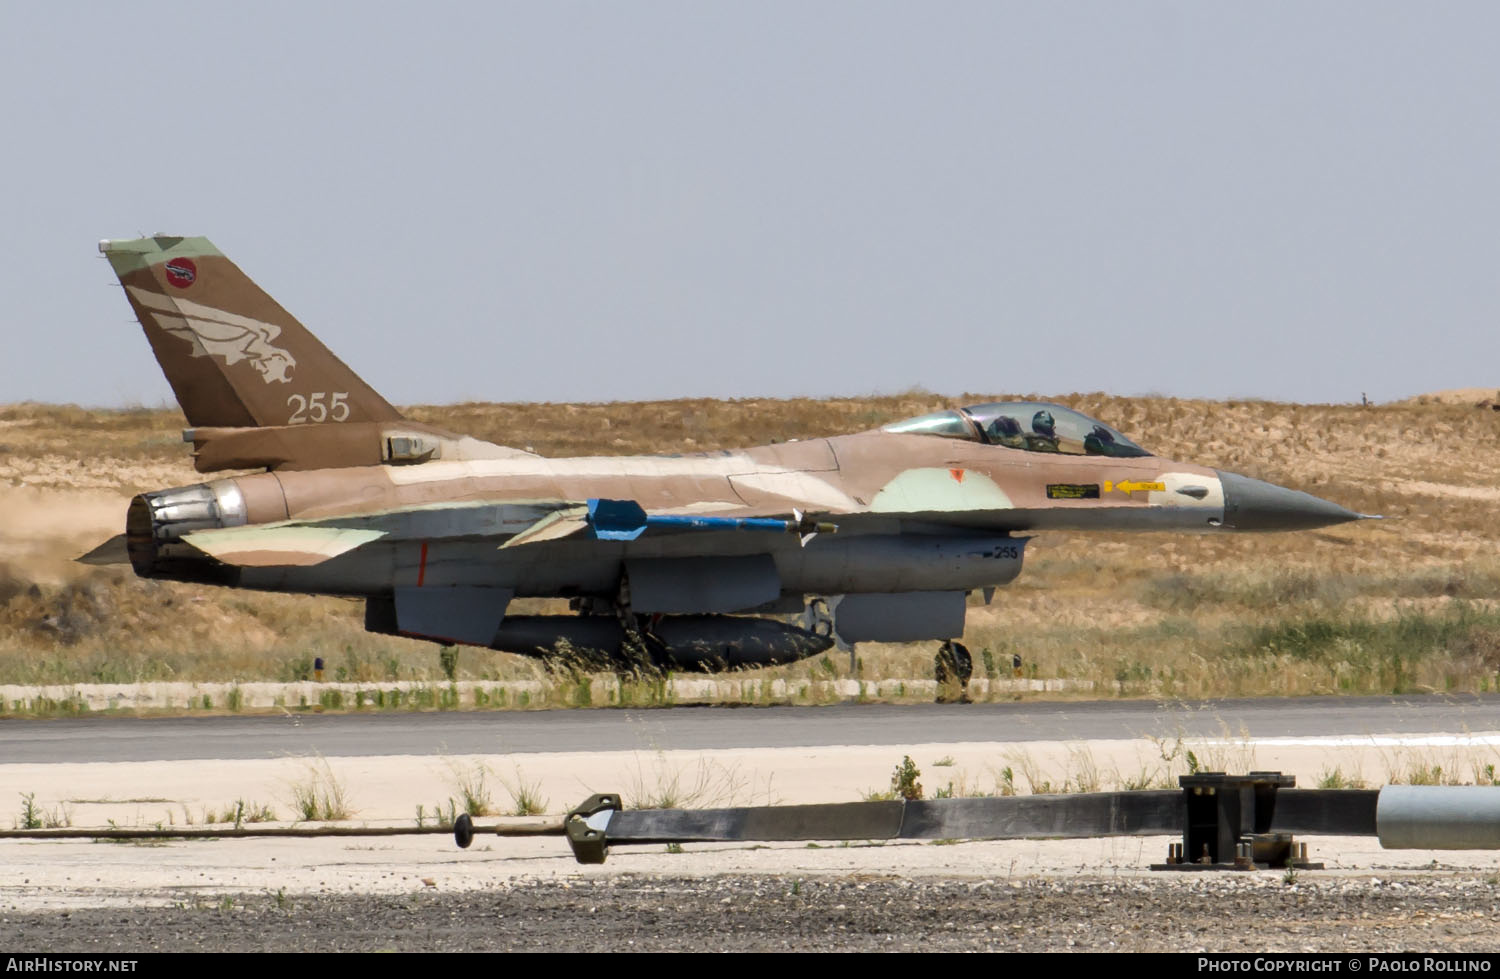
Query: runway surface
x=117 y=738
x=423 y=892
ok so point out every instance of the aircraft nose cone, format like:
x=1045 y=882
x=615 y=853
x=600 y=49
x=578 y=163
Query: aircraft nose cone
x=1253 y=504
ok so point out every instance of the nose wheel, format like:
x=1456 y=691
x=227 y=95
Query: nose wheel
x=953 y=668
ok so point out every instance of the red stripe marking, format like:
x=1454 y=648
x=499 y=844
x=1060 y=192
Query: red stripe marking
x=422 y=569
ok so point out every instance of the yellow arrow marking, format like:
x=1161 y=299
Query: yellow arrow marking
x=1131 y=487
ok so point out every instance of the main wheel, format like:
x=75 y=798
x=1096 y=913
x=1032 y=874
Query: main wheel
x=953 y=664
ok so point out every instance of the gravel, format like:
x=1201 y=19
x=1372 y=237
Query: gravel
x=1436 y=911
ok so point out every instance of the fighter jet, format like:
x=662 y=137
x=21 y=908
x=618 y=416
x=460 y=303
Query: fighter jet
x=703 y=561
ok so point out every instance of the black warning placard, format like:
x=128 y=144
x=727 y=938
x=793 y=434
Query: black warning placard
x=1072 y=491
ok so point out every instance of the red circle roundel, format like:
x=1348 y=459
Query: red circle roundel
x=181 y=272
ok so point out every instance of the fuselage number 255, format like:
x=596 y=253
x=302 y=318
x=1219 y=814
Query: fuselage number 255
x=320 y=406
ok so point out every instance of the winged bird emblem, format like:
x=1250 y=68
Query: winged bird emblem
x=216 y=333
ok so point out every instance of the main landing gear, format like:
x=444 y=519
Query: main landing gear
x=641 y=654
x=953 y=668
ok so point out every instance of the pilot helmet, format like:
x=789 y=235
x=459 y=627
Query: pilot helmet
x=1042 y=423
x=1005 y=426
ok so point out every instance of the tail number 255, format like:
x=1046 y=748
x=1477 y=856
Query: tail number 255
x=319 y=406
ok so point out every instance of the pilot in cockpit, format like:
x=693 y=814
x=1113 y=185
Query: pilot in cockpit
x=1043 y=435
x=1005 y=430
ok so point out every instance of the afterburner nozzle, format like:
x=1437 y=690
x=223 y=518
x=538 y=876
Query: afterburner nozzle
x=156 y=523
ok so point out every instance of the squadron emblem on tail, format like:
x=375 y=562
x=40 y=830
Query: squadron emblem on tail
x=181 y=272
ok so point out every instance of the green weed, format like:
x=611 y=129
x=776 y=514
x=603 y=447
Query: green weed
x=904 y=782
x=31 y=815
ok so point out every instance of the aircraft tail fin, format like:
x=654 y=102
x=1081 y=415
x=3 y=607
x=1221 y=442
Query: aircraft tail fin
x=233 y=355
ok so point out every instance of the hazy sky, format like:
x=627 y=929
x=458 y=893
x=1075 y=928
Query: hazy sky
x=623 y=200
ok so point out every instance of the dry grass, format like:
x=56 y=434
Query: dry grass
x=1466 y=765
x=1408 y=604
x=320 y=796
x=237 y=813
x=1019 y=770
x=663 y=782
x=472 y=785
x=525 y=794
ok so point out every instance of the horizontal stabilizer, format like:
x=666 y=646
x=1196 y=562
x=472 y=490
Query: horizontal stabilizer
x=263 y=547
x=111 y=551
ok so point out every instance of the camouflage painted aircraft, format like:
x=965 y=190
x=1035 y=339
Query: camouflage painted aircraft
x=709 y=560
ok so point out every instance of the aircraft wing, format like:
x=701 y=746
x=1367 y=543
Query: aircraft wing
x=300 y=543
x=303 y=543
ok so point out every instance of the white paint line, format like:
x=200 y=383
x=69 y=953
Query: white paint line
x=1481 y=739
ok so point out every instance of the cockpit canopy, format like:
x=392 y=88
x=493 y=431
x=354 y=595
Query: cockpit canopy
x=1031 y=425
